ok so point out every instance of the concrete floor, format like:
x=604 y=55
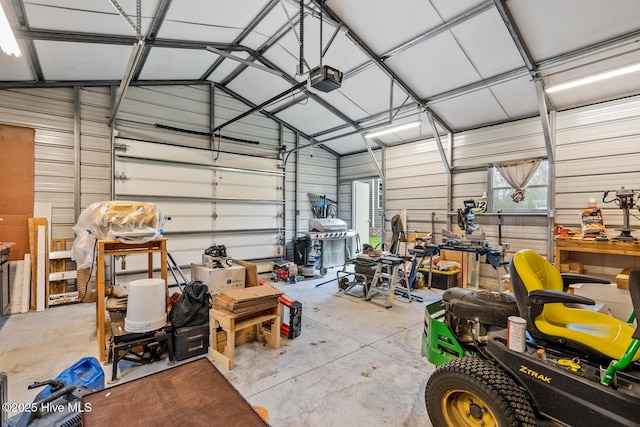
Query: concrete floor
x=355 y=362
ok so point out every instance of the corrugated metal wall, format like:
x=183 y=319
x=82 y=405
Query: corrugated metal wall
x=416 y=180
x=59 y=169
x=512 y=141
x=317 y=174
x=356 y=168
x=95 y=163
x=598 y=149
x=418 y=185
x=246 y=207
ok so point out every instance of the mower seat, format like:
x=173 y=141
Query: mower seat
x=538 y=288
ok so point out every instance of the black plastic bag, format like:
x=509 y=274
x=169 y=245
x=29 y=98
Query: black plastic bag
x=192 y=308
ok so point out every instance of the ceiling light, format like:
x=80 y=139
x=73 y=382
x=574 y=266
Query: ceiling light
x=8 y=42
x=594 y=78
x=394 y=129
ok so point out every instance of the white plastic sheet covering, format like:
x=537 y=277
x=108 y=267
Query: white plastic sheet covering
x=128 y=222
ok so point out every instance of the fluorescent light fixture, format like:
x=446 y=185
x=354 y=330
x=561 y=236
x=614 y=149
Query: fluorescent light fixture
x=8 y=42
x=594 y=78
x=394 y=129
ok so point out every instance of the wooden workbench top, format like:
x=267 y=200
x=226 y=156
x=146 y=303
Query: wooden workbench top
x=596 y=246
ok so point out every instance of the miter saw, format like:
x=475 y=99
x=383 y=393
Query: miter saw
x=473 y=237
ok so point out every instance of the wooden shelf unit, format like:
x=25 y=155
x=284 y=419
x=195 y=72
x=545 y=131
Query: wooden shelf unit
x=565 y=246
x=108 y=248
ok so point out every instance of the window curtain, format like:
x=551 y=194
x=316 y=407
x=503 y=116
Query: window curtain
x=518 y=174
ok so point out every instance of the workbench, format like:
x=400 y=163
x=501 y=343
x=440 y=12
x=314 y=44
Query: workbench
x=106 y=248
x=230 y=323
x=565 y=246
x=192 y=394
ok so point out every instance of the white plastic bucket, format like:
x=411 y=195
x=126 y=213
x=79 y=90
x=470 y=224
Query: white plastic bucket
x=146 y=306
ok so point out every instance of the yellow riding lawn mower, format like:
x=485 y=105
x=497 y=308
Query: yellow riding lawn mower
x=574 y=366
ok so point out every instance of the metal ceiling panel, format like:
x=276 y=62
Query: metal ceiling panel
x=551 y=27
x=227 y=66
x=168 y=64
x=422 y=132
x=206 y=20
x=82 y=61
x=269 y=25
x=382 y=24
x=470 y=110
x=434 y=66
x=517 y=97
x=257 y=86
x=14 y=69
x=450 y=9
x=89 y=17
x=347 y=144
x=309 y=117
x=487 y=43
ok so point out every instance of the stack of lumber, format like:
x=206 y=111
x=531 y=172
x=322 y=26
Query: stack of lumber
x=246 y=301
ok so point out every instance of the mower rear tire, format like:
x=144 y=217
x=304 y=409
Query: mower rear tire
x=473 y=392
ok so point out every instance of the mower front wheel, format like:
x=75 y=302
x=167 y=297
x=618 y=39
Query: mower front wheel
x=473 y=392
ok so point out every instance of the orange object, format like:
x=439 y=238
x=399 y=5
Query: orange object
x=262 y=412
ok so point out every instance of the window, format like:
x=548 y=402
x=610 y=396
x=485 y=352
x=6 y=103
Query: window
x=535 y=196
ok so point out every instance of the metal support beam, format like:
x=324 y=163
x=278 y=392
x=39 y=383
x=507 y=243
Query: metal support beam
x=373 y=157
x=509 y=22
x=264 y=112
x=256 y=21
x=331 y=39
x=436 y=136
x=19 y=19
x=244 y=61
x=544 y=117
x=260 y=106
x=161 y=14
x=126 y=17
x=518 y=40
x=76 y=37
x=77 y=153
x=136 y=51
x=282 y=31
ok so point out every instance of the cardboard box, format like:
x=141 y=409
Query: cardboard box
x=576 y=267
x=622 y=279
x=572 y=266
x=217 y=279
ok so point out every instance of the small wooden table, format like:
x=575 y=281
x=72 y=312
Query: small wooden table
x=193 y=394
x=111 y=248
x=230 y=323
